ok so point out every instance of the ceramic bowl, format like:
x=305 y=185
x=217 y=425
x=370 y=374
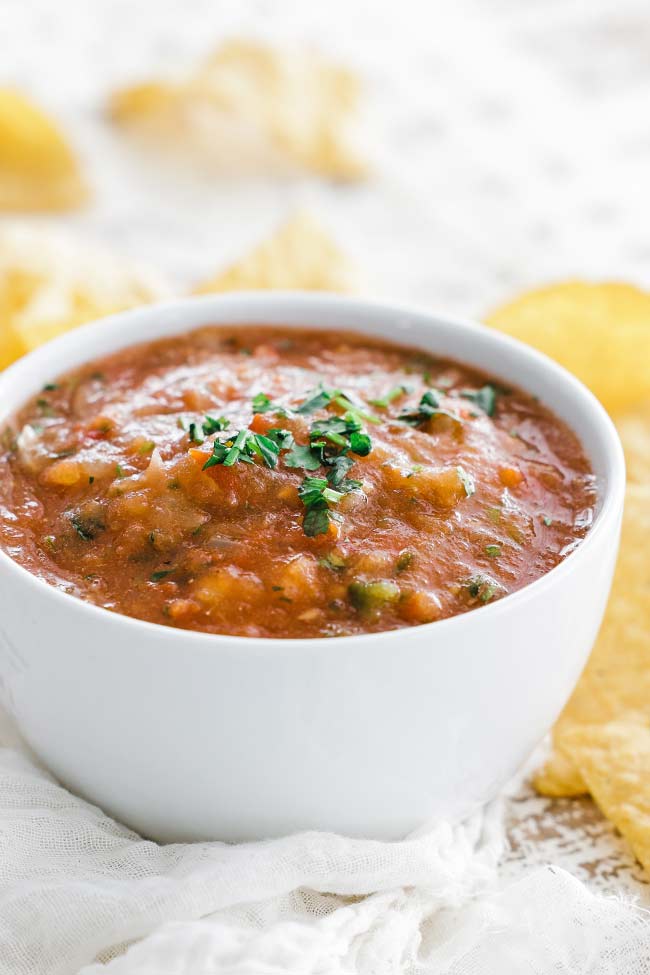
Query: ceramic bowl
x=187 y=735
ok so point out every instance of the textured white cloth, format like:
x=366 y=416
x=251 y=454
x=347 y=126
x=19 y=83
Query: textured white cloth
x=82 y=895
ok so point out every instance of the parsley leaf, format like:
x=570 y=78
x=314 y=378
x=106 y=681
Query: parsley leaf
x=211 y=425
x=316 y=401
x=303 y=456
x=360 y=443
x=485 y=397
x=262 y=404
x=265 y=448
x=244 y=447
x=316 y=521
x=283 y=438
x=428 y=407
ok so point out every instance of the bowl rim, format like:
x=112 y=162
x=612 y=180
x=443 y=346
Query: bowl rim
x=607 y=518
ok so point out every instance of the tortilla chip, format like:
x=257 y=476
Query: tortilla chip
x=616 y=681
x=600 y=332
x=614 y=759
x=250 y=106
x=634 y=431
x=38 y=170
x=50 y=283
x=299 y=256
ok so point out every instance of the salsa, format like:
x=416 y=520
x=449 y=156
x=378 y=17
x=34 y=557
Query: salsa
x=274 y=482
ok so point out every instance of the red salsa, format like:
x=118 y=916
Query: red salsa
x=288 y=483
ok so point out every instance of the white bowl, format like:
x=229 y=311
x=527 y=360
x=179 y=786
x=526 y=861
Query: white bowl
x=187 y=736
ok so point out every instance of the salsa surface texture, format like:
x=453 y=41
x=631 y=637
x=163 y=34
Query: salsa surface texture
x=288 y=483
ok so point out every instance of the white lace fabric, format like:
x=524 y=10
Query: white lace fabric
x=82 y=895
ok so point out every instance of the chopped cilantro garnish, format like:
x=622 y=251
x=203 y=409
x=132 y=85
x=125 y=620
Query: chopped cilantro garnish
x=303 y=456
x=213 y=424
x=265 y=448
x=338 y=468
x=193 y=435
x=313 y=490
x=547 y=521
x=322 y=397
x=316 y=401
x=494 y=551
x=50 y=387
x=244 y=446
x=481 y=587
x=467 y=481
x=360 y=443
x=485 y=397
x=317 y=493
x=428 y=407
x=342 y=431
x=391 y=395
x=283 y=438
x=262 y=404
x=162 y=574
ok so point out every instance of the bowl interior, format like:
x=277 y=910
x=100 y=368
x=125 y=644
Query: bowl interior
x=497 y=355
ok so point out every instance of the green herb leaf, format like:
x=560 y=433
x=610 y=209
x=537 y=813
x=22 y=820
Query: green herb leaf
x=316 y=521
x=193 y=435
x=265 y=448
x=317 y=399
x=262 y=404
x=162 y=574
x=391 y=395
x=428 y=407
x=485 y=397
x=212 y=425
x=360 y=443
x=283 y=438
x=244 y=447
x=303 y=456
x=482 y=587
x=494 y=551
